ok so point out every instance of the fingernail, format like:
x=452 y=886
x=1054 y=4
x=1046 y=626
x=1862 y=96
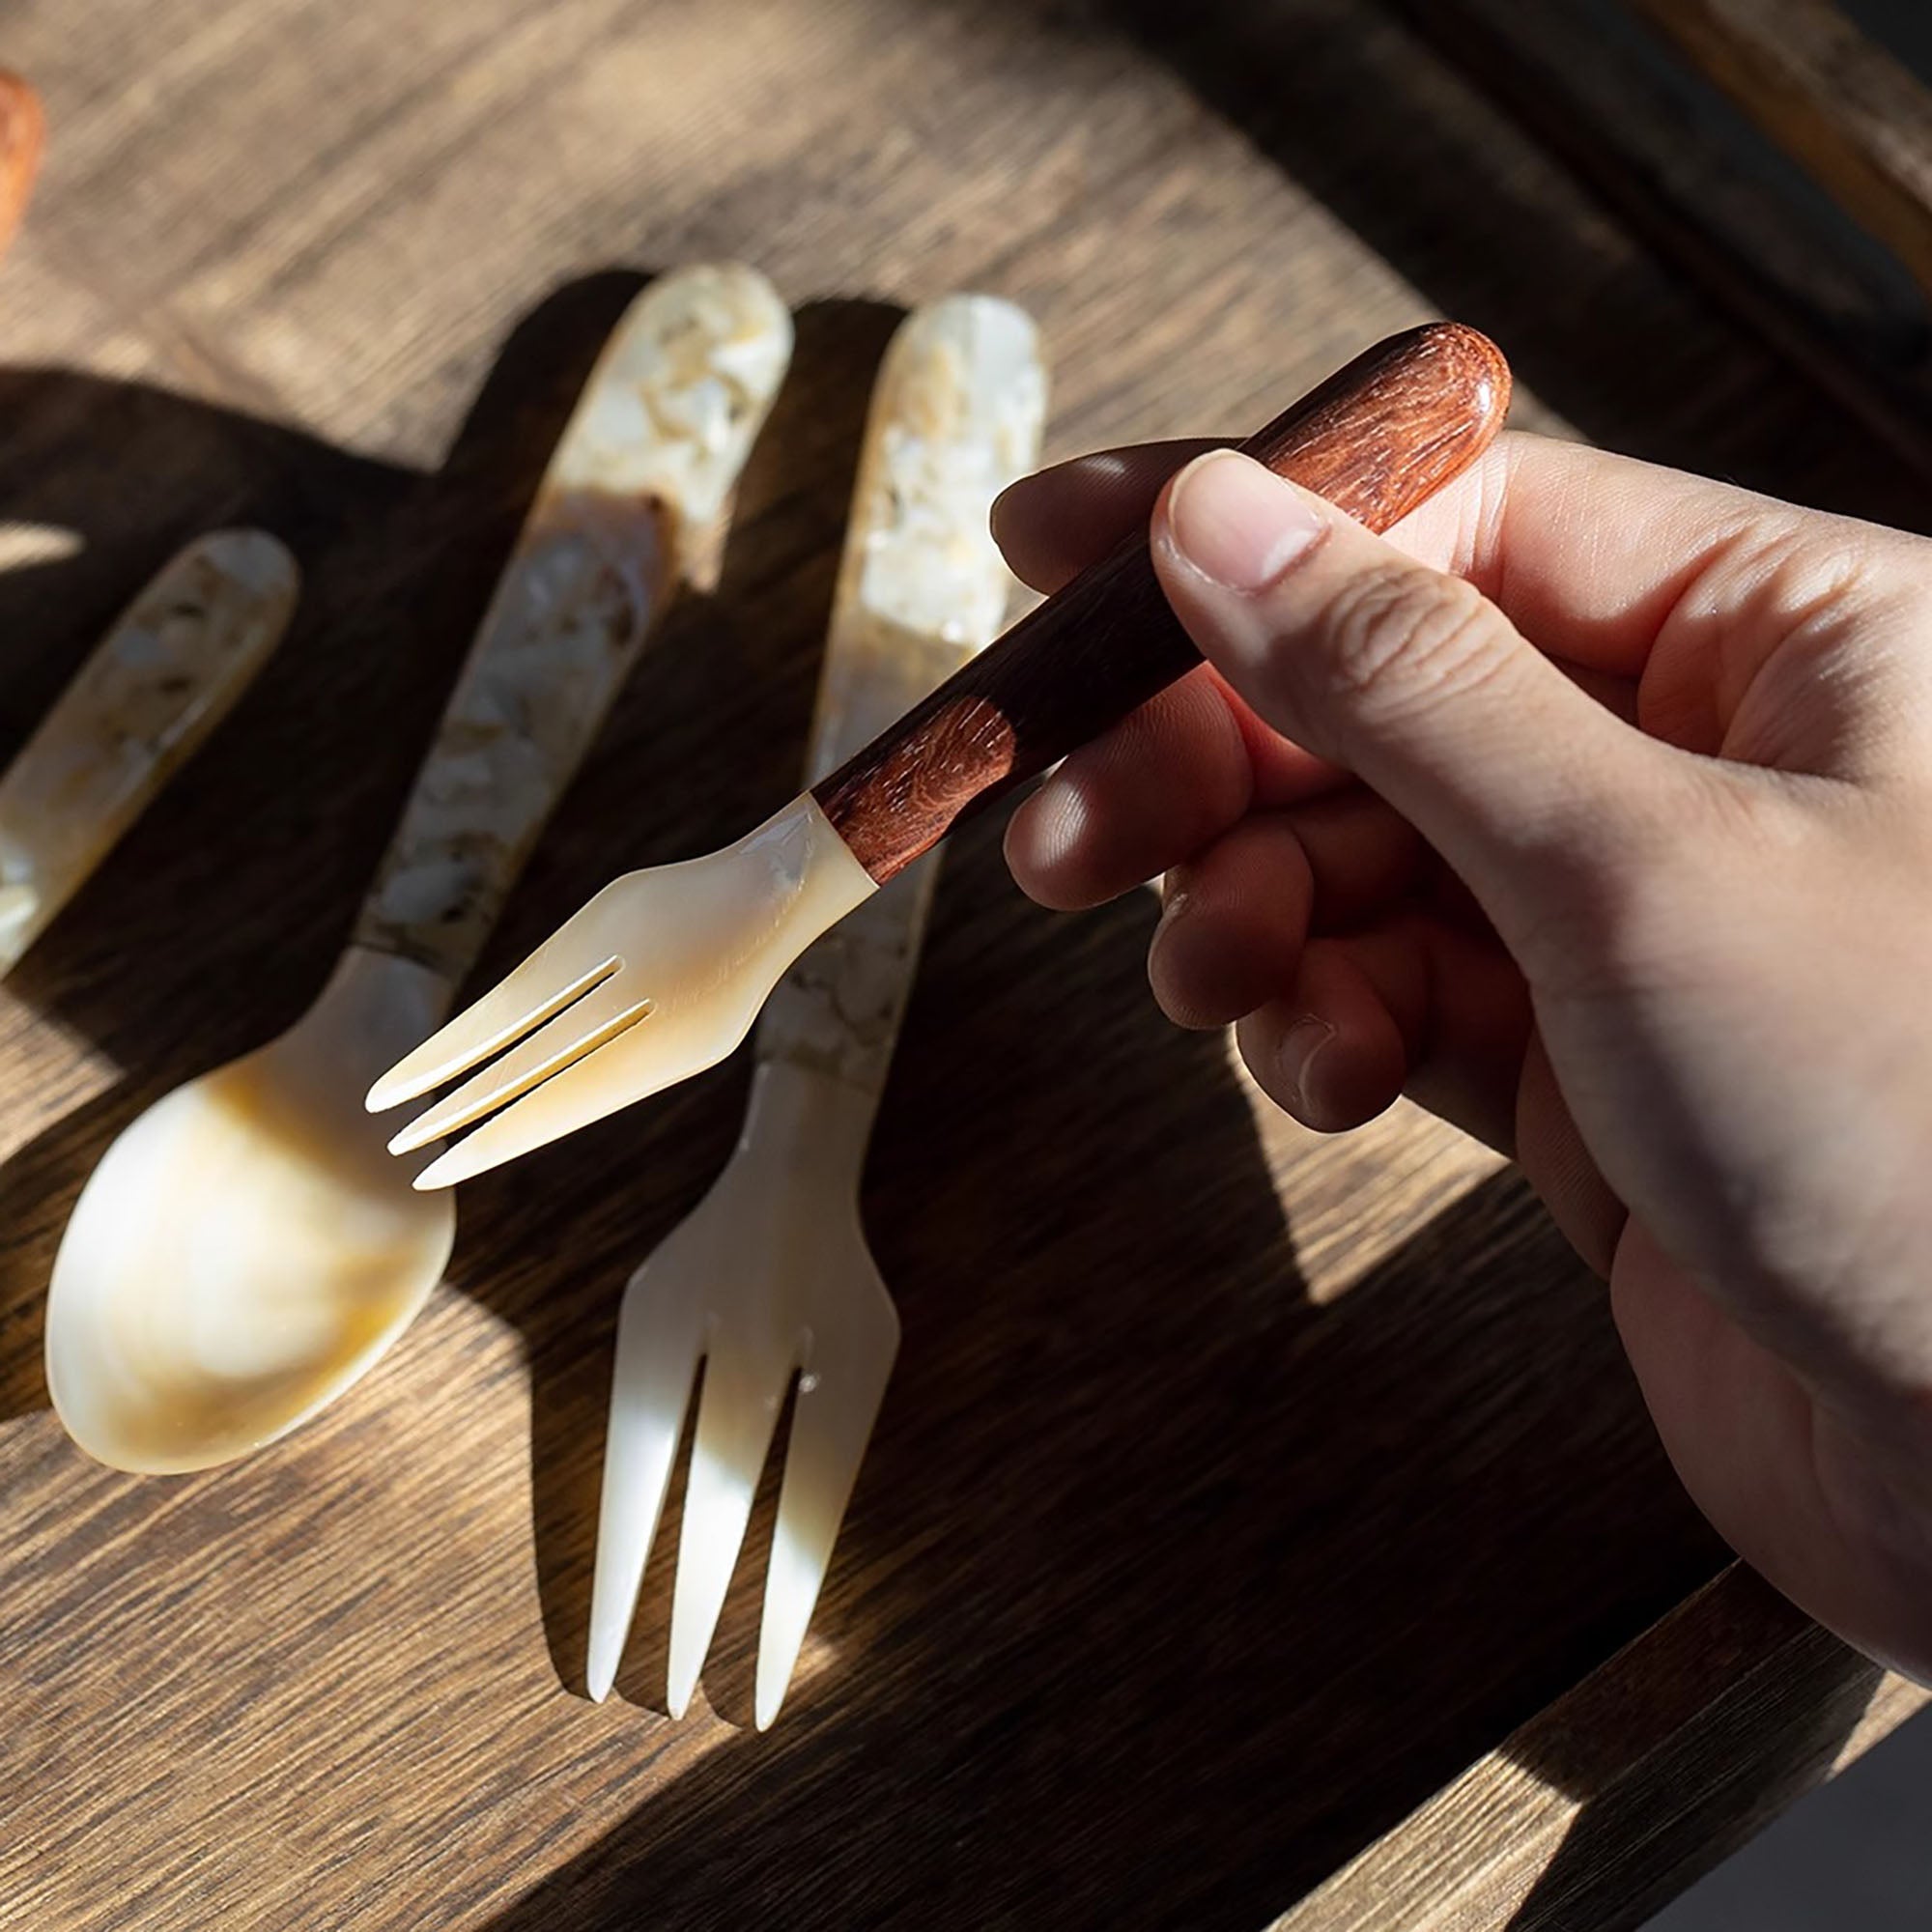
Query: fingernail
x=1173 y=908
x=1301 y=1046
x=1238 y=523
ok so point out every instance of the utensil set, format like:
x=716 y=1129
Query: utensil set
x=252 y=1243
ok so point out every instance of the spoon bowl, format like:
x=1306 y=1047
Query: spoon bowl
x=248 y=1247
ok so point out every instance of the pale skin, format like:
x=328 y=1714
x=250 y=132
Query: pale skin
x=1593 y=809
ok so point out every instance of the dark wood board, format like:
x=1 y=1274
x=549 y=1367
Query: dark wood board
x=1603 y=86
x=1235 y=1490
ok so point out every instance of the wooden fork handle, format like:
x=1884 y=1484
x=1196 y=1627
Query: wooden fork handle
x=1375 y=440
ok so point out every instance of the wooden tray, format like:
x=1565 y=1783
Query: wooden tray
x=1140 y=1617
x=1773 y=152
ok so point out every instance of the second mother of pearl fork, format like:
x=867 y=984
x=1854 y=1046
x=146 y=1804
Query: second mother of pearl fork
x=770 y=1275
x=246 y=1248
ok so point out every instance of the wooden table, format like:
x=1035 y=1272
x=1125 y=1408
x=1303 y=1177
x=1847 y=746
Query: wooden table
x=1237 y=1493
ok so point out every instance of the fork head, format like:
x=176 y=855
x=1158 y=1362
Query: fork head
x=768 y=1278
x=658 y=977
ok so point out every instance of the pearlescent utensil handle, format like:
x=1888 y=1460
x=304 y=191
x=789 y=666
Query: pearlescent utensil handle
x=159 y=682
x=956 y=418
x=646 y=467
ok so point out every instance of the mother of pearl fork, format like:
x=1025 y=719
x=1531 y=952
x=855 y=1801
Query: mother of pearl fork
x=770 y=1276
x=246 y=1249
x=662 y=973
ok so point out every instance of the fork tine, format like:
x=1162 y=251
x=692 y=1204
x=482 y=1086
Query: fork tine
x=659 y=1338
x=736 y=1415
x=603 y=1012
x=585 y=1090
x=838 y=1405
x=566 y=966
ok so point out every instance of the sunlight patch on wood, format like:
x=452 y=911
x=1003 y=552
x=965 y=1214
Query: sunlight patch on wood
x=47 y=1068
x=24 y=545
x=1500 y=1816
x=1340 y=1233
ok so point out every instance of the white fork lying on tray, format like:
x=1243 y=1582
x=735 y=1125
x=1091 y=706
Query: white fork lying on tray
x=770 y=1275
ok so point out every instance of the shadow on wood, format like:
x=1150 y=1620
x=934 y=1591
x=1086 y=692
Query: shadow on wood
x=314 y=761
x=1684 y=1749
x=1345 y=102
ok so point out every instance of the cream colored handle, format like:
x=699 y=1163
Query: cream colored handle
x=632 y=497
x=159 y=682
x=956 y=418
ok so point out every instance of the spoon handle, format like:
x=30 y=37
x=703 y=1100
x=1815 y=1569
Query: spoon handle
x=22 y=134
x=956 y=418
x=1377 y=438
x=636 y=488
x=156 y=686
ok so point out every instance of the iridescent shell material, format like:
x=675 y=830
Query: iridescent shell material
x=159 y=682
x=957 y=415
x=643 y=474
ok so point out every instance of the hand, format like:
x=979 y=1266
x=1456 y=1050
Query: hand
x=1593 y=809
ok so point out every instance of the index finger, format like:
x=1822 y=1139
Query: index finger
x=1586 y=553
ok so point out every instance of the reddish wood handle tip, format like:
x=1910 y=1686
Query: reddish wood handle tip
x=23 y=128
x=1385 y=433
x=1377 y=438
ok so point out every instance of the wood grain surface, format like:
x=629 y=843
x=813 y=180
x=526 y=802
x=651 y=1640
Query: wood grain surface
x=1859 y=119
x=1377 y=438
x=1714 y=197
x=1602 y=1808
x=1236 y=1491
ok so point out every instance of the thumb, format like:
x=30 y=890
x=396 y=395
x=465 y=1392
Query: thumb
x=1407 y=676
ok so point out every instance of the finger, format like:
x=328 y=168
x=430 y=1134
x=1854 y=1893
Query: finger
x=1052 y=524
x=1561 y=1167
x=1412 y=680
x=1233 y=924
x=1575 y=545
x=1362 y=853
x=1161 y=783
x=1586 y=552
x=1152 y=791
x=1235 y=915
x=1330 y=1052
x=1591 y=554
x=1407 y=1007
x=1464 y=1013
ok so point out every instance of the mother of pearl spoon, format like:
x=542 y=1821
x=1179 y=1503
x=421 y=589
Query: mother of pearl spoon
x=156 y=686
x=246 y=1249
